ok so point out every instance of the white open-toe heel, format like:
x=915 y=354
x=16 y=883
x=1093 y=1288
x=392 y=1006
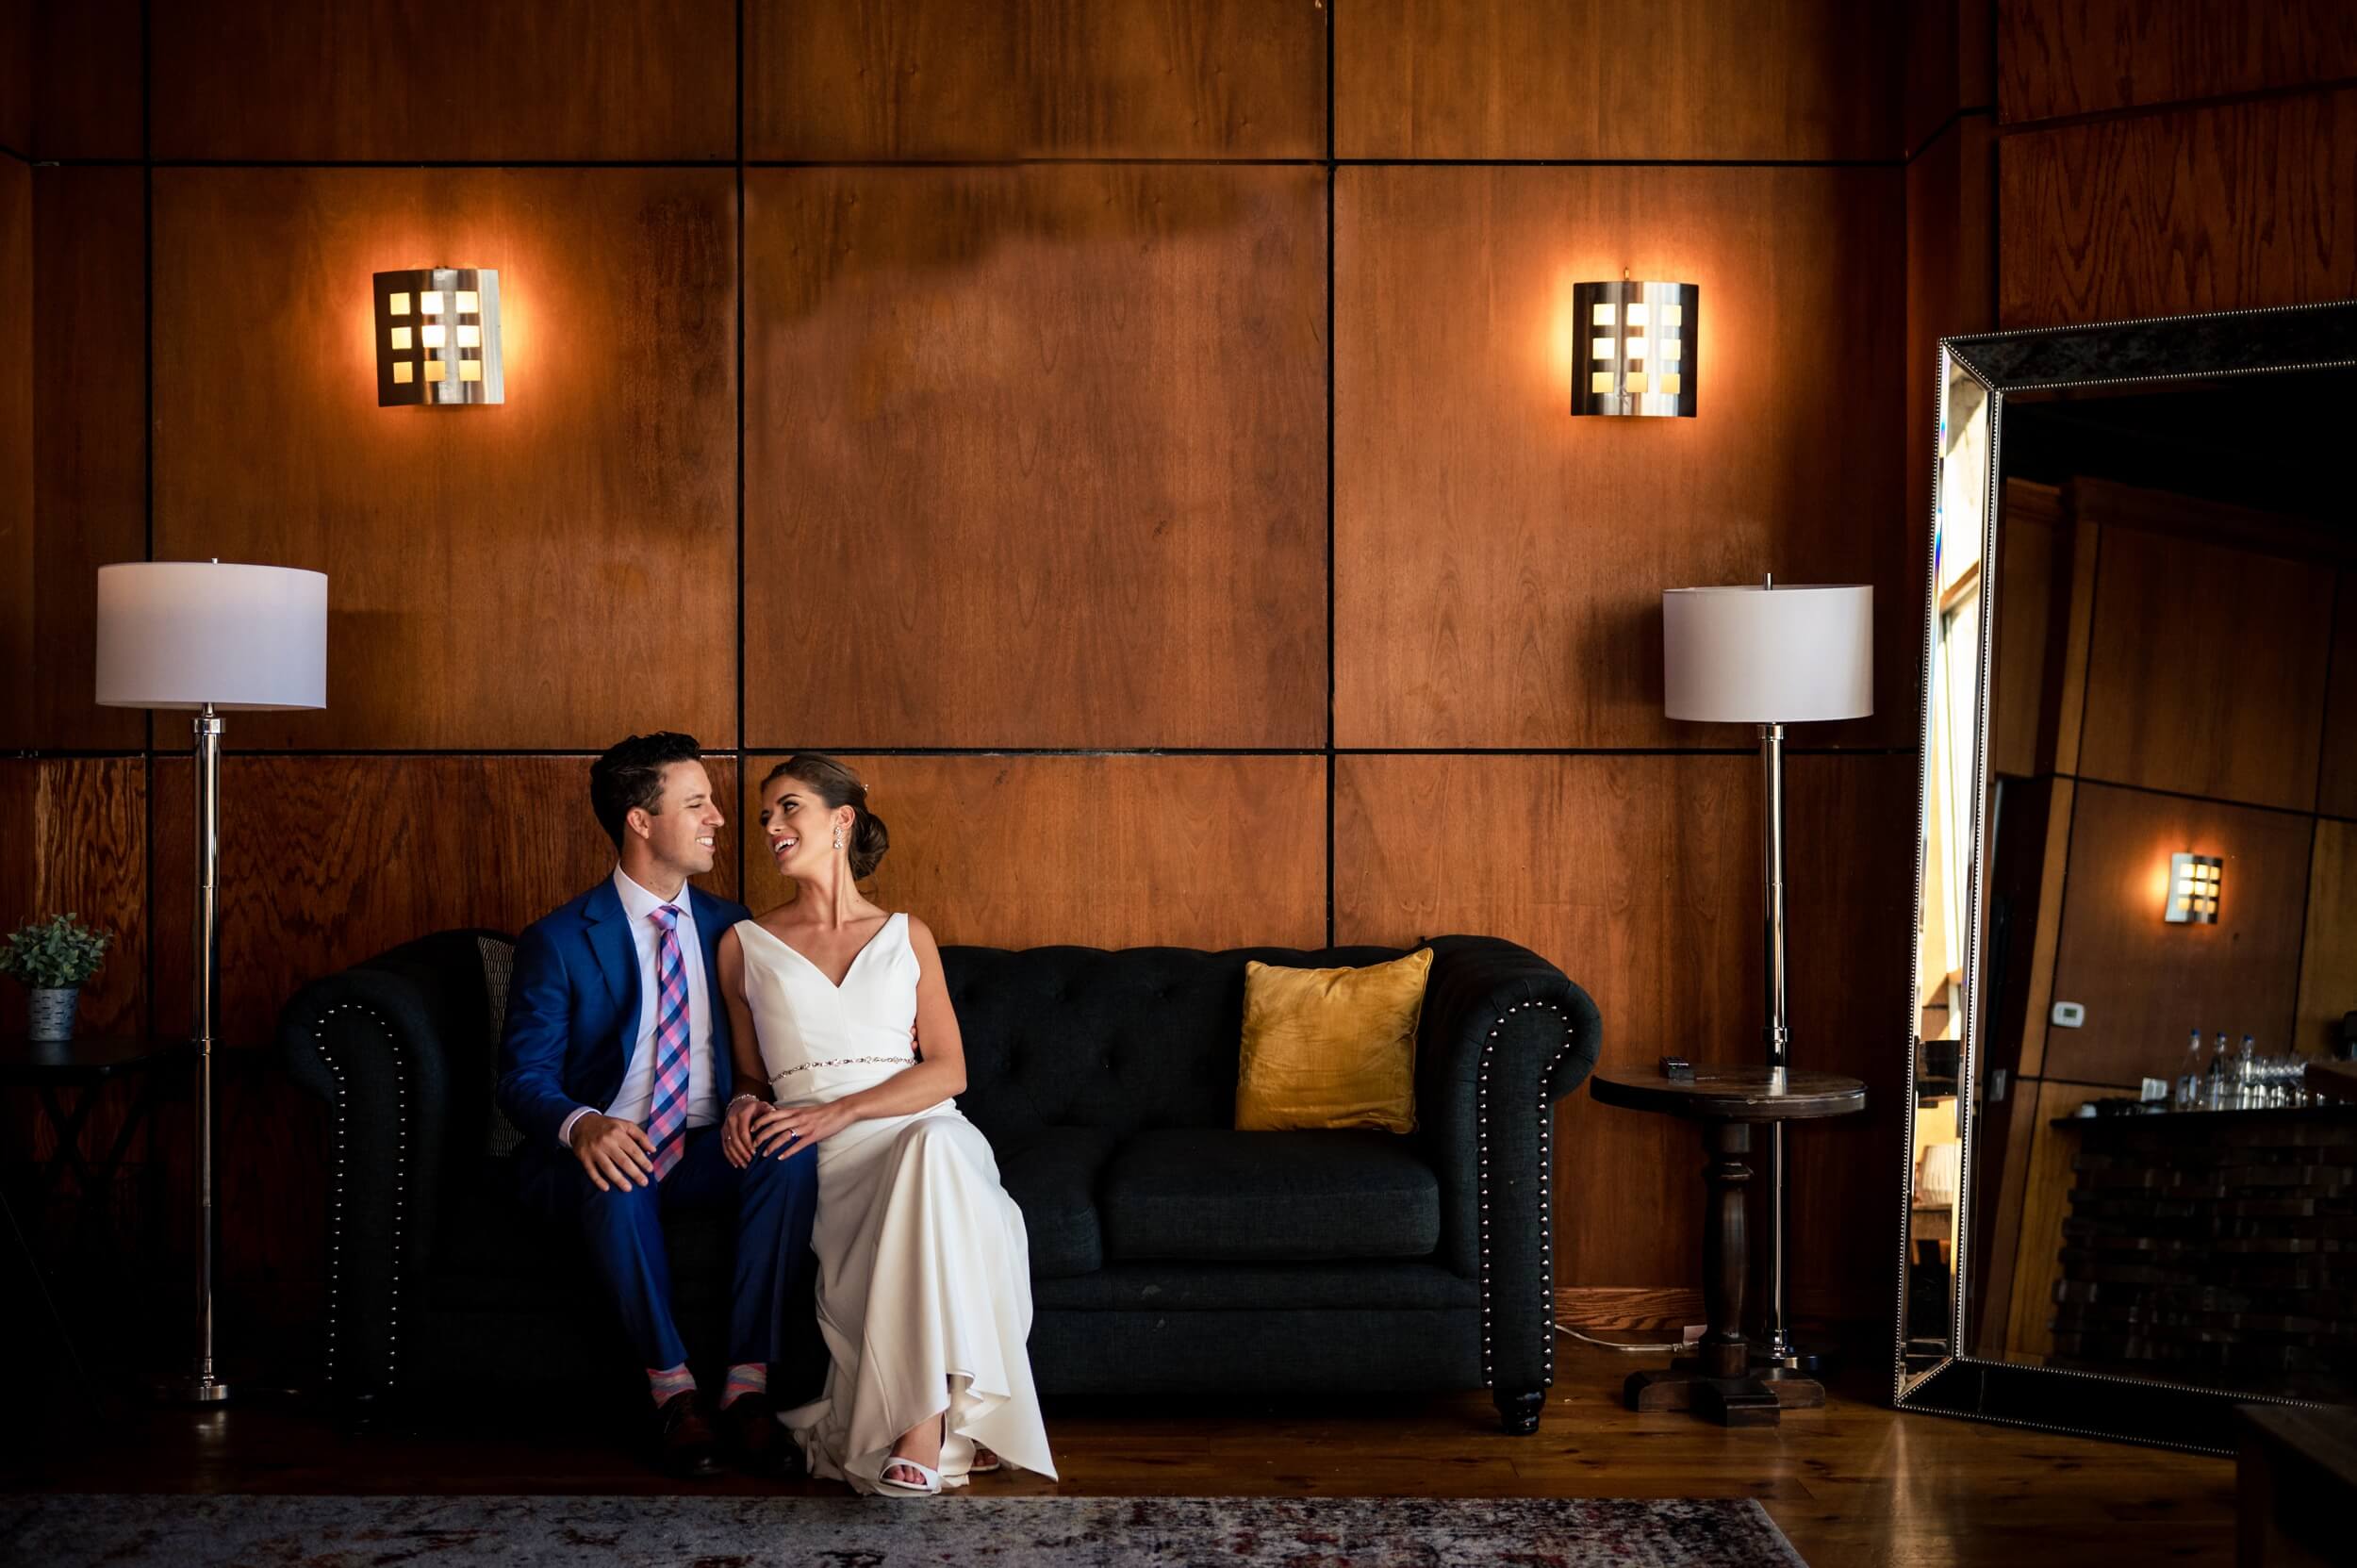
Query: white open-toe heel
x=930 y=1477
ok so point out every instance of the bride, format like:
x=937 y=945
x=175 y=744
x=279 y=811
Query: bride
x=924 y=1266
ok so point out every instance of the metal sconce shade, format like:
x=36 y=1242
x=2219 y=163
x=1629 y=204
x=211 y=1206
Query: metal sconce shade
x=1636 y=347
x=438 y=337
x=2194 y=883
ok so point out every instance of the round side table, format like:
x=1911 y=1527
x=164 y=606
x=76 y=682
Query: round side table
x=1719 y=1383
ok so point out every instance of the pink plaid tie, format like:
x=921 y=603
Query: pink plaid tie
x=666 y=1124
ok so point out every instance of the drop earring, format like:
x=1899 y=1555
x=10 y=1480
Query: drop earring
x=838 y=838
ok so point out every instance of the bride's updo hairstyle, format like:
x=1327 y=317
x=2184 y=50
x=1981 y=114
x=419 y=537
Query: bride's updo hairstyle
x=838 y=786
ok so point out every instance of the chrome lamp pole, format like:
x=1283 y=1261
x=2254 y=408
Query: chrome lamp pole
x=198 y=635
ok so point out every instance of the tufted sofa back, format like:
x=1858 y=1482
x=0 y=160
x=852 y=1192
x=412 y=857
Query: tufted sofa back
x=1127 y=1040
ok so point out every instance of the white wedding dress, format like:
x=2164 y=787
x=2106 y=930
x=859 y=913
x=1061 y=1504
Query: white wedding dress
x=924 y=1266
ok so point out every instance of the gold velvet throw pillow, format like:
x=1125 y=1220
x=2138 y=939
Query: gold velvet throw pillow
x=1331 y=1048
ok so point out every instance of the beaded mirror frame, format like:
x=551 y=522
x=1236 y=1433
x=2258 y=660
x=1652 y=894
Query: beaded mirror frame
x=1937 y=1372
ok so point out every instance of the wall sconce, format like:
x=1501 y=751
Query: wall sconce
x=2193 y=888
x=438 y=337
x=1638 y=342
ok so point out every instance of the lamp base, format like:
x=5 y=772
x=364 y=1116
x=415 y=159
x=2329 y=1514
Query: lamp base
x=201 y=1388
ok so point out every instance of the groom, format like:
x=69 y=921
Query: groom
x=616 y=1067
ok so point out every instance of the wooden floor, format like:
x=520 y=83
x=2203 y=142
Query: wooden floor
x=1853 y=1484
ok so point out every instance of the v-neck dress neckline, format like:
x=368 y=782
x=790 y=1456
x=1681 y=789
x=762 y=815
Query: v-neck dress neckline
x=813 y=963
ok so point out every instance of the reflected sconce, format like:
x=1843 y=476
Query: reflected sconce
x=2194 y=882
x=1636 y=347
x=438 y=337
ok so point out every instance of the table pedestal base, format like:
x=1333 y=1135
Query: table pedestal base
x=1743 y=1401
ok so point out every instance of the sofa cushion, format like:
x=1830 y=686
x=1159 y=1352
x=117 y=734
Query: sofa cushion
x=1220 y=1196
x=1052 y=1177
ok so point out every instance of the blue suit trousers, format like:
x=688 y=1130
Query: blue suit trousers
x=773 y=1317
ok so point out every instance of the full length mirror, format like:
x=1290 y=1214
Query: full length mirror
x=2129 y=1200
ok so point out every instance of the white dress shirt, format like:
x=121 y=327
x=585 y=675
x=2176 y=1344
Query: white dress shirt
x=637 y=1099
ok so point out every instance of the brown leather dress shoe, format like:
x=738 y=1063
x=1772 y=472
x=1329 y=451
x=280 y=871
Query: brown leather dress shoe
x=755 y=1443
x=684 y=1443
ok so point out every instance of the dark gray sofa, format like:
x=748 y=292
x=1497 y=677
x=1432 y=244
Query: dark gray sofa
x=1169 y=1253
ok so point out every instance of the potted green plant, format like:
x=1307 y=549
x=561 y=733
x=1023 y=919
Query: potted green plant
x=54 y=959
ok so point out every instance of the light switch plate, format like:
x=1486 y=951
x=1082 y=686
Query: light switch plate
x=2069 y=1015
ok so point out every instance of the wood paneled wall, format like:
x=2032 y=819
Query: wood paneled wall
x=2246 y=195
x=19 y=590
x=1184 y=531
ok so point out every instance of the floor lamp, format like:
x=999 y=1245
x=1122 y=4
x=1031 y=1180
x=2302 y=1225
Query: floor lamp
x=1769 y=656
x=216 y=639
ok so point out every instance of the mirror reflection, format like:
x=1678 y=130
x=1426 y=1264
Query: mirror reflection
x=2145 y=1177
x=1953 y=672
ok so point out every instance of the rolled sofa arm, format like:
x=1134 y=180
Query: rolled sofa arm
x=369 y=1042
x=1505 y=1034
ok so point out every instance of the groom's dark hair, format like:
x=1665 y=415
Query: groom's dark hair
x=630 y=774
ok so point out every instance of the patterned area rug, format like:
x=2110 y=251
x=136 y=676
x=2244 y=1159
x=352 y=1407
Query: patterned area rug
x=65 y=1531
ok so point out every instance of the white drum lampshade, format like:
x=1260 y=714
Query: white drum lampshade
x=1753 y=654
x=186 y=633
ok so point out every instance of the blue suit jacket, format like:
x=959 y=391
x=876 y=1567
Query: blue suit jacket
x=572 y=1008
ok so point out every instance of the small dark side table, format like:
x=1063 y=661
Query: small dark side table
x=1719 y=1382
x=87 y=1065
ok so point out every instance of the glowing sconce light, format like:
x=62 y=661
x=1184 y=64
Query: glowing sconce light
x=438 y=337
x=1641 y=341
x=2193 y=889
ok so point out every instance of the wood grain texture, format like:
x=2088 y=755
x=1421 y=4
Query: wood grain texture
x=1193 y=851
x=2046 y=933
x=1641 y=79
x=90 y=468
x=2165 y=710
x=1637 y=876
x=2220 y=208
x=326 y=860
x=16 y=76
x=1849 y=845
x=1948 y=70
x=2007 y=1130
x=2071 y=705
x=2028 y=674
x=19 y=591
x=1951 y=289
x=2083 y=56
x=85 y=78
x=2145 y=983
x=624 y=80
x=875 y=80
x=2336 y=786
x=2328 y=963
x=1034 y=457
x=554 y=571
x=74 y=841
x=1596 y=1307
x=2042 y=1204
x=1498 y=562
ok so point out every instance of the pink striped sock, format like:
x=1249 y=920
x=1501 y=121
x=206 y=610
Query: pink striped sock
x=666 y=1384
x=745 y=1378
